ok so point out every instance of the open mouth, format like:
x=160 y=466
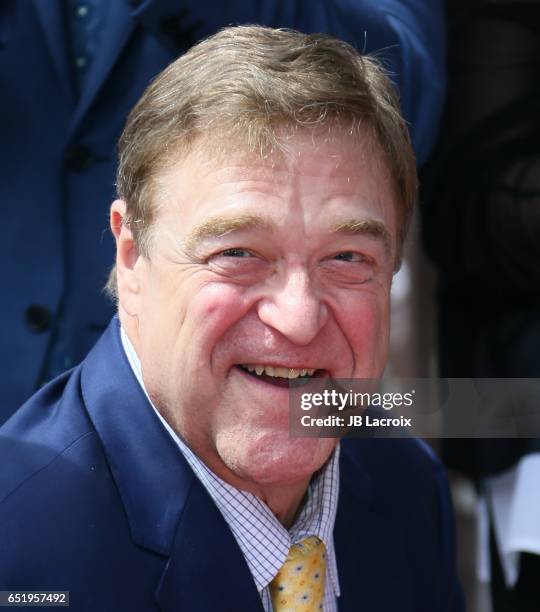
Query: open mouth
x=281 y=376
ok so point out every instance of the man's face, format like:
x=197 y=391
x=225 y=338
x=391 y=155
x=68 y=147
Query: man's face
x=276 y=264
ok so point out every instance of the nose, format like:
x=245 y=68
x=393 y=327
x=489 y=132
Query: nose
x=294 y=310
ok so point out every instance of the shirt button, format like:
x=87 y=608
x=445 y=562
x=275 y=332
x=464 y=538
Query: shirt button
x=80 y=62
x=79 y=158
x=38 y=318
x=82 y=11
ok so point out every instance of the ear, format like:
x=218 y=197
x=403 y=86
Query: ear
x=127 y=255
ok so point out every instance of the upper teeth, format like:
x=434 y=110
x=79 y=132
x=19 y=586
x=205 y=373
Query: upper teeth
x=279 y=372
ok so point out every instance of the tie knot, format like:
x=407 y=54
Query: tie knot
x=311 y=547
x=299 y=584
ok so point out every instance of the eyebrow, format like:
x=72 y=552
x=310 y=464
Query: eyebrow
x=372 y=228
x=217 y=227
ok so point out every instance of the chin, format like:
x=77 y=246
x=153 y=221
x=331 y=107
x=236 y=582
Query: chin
x=270 y=459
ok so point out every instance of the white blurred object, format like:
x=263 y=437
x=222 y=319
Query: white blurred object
x=401 y=285
x=514 y=500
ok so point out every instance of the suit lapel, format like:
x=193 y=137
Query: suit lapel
x=51 y=18
x=149 y=470
x=372 y=565
x=117 y=30
x=207 y=570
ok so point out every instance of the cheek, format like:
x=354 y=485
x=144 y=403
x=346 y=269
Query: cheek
x=217 y=300
x=183 y=325
x=365 y=319
x=366 y=327
x=214 y=309
x=193 y=307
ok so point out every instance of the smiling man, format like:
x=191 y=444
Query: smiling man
x=265 y=184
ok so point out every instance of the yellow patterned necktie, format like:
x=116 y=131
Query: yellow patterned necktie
x=299 y=584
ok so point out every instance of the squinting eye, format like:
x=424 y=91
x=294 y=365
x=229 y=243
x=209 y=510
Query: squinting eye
x=349 y=256
x=235 y=253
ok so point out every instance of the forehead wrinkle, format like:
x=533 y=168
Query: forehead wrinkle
x=217 y=227
x=365 y=227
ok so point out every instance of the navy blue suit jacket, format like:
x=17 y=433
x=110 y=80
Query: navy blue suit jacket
x=96 y=498
x=57 y=151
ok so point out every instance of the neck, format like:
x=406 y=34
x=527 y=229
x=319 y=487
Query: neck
x=129 y=324
x=286 y=502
